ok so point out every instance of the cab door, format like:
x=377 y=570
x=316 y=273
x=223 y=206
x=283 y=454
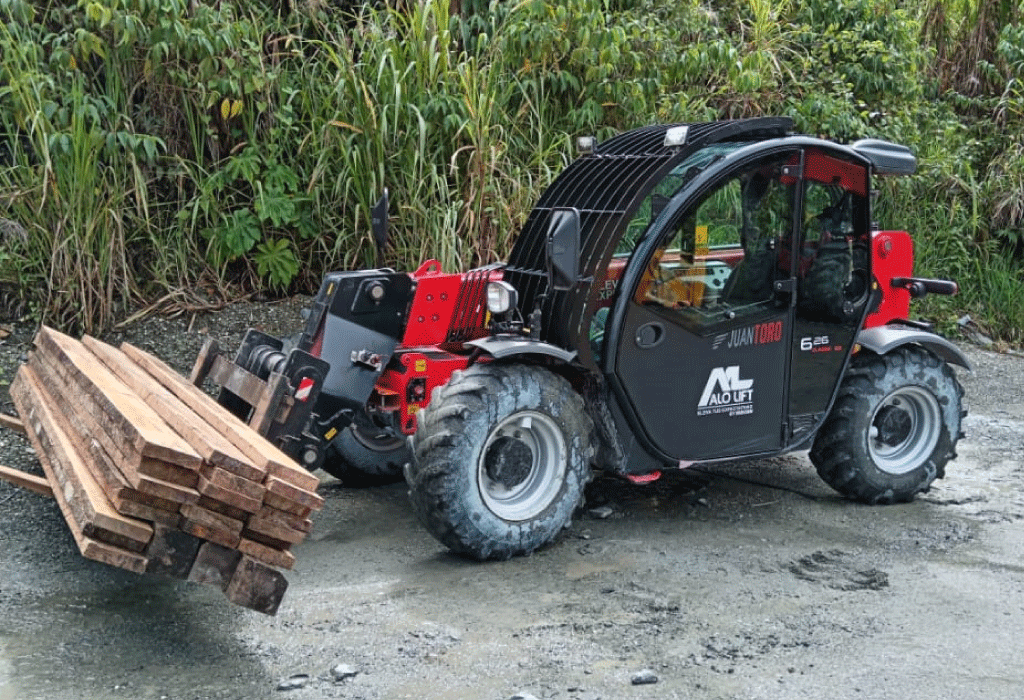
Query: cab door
x=702 y=355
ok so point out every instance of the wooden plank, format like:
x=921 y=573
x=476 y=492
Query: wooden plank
x=271 y=556
x=276 y=530
x=104 y=470
x=158 y=516
x=109 y=554
x=226 y=479
x=232 y=498
x=209 y=517
x=88 y=547
x=166 y=471
x=172 y=552
x=124 y=413
x=297 y=476
x=205 y=532
x=25 y=480
x=80 y=489
x=214 y=565
x=222 y=508
x=126 y=499
x=118 y=468
x=252 y=444
x=210 y=444
x=282 y=488
x=210 y=525
x=256 y=586
x=266 y=541
x=92 y=510
x=284 y=518
x=85 y=418
x=286 y=505
x=12 y=423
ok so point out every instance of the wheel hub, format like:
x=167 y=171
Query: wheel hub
x=508 y=461
x=894 y=425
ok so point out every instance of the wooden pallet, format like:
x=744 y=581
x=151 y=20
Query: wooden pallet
x=152 y=475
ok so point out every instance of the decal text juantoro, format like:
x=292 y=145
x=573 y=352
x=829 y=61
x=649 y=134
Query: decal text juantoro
x=727 y=393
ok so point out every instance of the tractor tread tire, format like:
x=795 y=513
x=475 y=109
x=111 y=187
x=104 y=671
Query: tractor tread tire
x=451 y=432
x=841 y=451
x=824 y=291
x=357 y=465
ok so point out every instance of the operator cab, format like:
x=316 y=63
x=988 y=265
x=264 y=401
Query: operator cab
x=742 y=262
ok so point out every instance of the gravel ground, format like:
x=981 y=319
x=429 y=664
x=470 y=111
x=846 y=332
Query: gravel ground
x=745 y=581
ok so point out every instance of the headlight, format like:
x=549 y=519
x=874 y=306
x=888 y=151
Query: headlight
x=501 y=296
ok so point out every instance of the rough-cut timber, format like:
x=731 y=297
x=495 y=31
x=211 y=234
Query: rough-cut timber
x=26 y=481
x=117 y=467
x=155 y=477
x=91 y=506
x=11 y=423
x=171 y=552
x=272 y=556
x=260 y=587
x=261 y=451
x=124 y=411
x=212 y=446
x=31 y=406
x=214 y=565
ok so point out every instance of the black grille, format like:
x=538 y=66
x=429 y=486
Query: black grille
x=468 y=319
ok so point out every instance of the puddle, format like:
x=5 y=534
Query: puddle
x=147 y=642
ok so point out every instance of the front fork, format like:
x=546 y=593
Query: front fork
x=274 y=391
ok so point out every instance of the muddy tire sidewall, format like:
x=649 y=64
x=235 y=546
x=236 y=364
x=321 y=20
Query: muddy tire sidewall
x=358 y=458
x=843 y=451
x=447 y=488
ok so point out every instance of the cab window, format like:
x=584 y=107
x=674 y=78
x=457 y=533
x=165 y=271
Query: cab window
x=721 y=258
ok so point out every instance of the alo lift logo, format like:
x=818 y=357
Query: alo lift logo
x=726 y=393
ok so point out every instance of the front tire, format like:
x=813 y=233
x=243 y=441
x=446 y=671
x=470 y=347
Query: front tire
x=501 y=456
x=893 y=428
x=364 y=455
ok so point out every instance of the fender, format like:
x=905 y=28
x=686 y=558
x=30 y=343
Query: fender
x=501 y=348
x=882 y=339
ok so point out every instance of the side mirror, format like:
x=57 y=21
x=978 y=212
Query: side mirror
x=564 y=249
x=379 y=226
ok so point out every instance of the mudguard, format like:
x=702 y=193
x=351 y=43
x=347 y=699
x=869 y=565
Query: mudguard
x=501 y=348
x=882 y=339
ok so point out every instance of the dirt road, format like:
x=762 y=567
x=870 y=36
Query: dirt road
x=744 y=581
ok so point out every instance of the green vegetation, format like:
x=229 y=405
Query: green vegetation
x=171 y=153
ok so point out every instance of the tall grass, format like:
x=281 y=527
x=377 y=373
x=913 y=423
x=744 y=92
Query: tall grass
x=75 y=182
x=155 y=148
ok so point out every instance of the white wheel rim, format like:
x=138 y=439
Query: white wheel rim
x=904 y=430
x=522 y=466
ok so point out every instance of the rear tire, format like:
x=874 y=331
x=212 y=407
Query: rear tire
x=501 y=457
x=363 y=455
x=893 y=428
x=836 y=287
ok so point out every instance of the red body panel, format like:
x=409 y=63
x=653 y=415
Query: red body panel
x=444 y=302
x=892 y=255
x=446 y=310
x=408 y=390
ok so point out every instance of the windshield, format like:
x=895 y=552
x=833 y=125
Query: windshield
x=674 y=181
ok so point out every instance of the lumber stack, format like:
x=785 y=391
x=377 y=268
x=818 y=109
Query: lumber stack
x=153 y=476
